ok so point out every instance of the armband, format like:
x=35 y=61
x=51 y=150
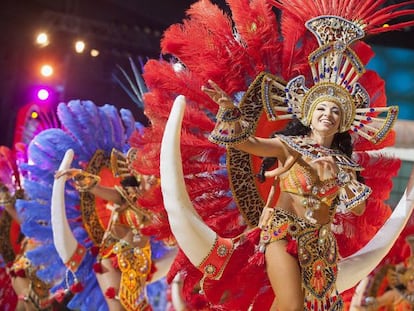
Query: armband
x=230 y=127
x=343 y=178
x=351 y=194
x=85 y=181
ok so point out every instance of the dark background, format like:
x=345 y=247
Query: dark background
x=117 y=28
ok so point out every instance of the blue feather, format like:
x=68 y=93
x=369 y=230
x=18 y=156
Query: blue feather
x=156 y=293
x=86 y=128
x=118 y=132
x=129 y=123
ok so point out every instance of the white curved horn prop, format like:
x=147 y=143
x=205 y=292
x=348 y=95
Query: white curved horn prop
x=193 y=236
x=63 y=239
x=356 y=267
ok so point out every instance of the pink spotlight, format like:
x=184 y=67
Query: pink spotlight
x=43 y=94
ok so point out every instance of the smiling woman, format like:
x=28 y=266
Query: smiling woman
x=325 y=121
x=321 y=179
x=333 y=105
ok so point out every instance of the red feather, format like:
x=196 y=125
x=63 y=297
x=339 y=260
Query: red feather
x=378 y=174
x=256 y=24
x=231 y=51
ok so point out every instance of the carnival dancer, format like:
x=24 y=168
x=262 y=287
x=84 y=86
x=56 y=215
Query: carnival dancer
x=400 y=296
x=124 y=258
x=321 y=192
x=391 y=284
x=10 y=289
x=321 y=180
x=71 y=224
x=32 y=293
x=9 y=225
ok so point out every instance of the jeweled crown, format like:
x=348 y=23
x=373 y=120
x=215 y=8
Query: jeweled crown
x=336 y=69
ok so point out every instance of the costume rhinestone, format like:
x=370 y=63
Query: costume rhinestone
x=222 y=251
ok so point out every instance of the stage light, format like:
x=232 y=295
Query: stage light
x=46 y=70
x=42 y=39
x=178 y=67
x=43 y=94
x=94 y=52
x=34 y=115
x=79 y=46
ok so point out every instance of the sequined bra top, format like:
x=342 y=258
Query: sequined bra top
x=301 y=178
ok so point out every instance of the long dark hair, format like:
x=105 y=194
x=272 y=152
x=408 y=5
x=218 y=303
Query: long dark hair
x=129 y=181
x=341 y=142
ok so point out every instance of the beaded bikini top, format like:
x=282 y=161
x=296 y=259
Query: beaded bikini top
x=309 y=148
x=302 y=179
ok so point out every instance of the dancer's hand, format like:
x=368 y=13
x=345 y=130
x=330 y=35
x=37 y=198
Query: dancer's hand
x=266 y=216
x=327 y=167
x=68 y=173
x=83 y=181
x=218 y=95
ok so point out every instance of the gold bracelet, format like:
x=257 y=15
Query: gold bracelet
x=230 y=128
x=85 y=181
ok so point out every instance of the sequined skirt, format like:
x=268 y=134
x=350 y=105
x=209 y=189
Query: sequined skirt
x=316 y=249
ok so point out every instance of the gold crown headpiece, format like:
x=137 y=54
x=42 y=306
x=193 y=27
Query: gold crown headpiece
x=121 y=164
x=335 y=69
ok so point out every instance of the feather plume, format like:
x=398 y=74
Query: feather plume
x=231 y=50
x=256 y=25
x=208 y=55
x=85 y=129
x=378 y=174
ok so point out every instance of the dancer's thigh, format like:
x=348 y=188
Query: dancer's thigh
x=284 y=275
